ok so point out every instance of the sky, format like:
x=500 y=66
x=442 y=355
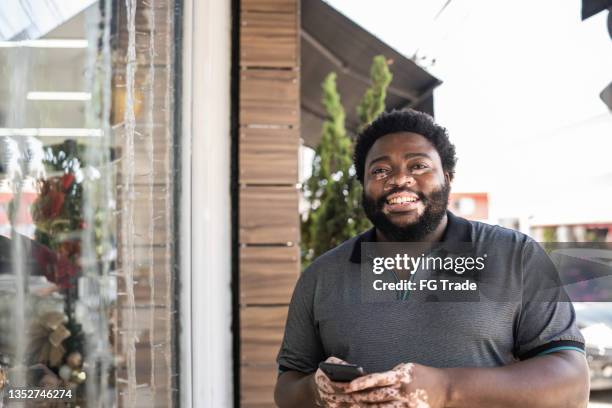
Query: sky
x=520 y=97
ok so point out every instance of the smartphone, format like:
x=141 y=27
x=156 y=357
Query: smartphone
x=341 y=372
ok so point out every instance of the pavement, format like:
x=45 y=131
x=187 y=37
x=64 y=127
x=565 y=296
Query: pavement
x=601 y=399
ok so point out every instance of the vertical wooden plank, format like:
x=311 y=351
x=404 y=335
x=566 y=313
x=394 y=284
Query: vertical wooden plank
x=269 y=156
x=262 y=332
x=269 y=215
x=258 y=386
x=271 y=6
x=268 y=274
x=269 y=40
x=269 y=98
x=269 y=218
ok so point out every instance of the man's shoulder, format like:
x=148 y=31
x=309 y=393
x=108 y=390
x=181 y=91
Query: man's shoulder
x=495 y=234
x=340 y=254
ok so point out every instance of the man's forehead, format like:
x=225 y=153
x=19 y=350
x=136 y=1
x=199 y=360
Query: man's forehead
x=401 y=142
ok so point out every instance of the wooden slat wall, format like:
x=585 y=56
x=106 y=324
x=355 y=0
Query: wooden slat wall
x=269 y=230
x=268 y=155
x=267 y=274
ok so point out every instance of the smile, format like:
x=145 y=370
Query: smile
x=402 y=198
x=401 y=202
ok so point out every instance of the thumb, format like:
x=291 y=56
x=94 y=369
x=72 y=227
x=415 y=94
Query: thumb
x=336 y=360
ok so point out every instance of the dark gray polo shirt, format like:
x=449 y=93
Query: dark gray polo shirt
x=329 y=317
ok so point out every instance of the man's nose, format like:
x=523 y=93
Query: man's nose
x=402 y=179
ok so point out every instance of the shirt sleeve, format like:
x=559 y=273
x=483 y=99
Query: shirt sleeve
x=547 y=320
x=301 y=349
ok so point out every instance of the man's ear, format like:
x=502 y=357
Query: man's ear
x=448 y=177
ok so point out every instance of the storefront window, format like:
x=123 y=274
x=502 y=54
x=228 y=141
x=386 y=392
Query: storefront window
x=87 y=203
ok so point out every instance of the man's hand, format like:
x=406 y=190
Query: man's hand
x=330 y=393
x=407 y=386
x=554 y=380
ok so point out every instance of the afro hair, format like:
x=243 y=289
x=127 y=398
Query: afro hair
x=408 y=120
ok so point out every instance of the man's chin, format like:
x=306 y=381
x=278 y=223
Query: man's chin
x=403 y=220
x=402 y=225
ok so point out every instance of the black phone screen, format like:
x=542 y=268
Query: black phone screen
x=341 y=372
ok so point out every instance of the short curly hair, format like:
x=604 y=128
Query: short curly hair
x=408 y=120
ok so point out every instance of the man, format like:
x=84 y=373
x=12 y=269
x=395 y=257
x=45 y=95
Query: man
x=495 y=353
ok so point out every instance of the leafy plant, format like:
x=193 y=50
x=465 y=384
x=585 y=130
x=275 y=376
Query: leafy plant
x=333 y=192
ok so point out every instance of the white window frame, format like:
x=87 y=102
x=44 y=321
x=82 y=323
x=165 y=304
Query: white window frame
x=206 y=376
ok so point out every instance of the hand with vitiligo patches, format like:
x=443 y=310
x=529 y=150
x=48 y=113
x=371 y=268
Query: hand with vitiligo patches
x=406 y=386
x=333 y=394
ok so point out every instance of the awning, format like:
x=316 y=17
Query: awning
x=606 y=95
x=333 y=42
x=592 y=7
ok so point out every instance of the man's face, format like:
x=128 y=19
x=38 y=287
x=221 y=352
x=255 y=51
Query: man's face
x=405 y=188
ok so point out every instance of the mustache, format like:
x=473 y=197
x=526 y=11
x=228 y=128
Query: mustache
x=382 y=200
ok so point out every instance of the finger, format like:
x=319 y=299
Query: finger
x=390 y=404
x=418 y=399
x=373 y=380
x=336 y=360
x=418 y=404
x=383 y=394
x=325 y=384
x=349 y=405
x=405 y=368
x=339 y=387
x=331 y=398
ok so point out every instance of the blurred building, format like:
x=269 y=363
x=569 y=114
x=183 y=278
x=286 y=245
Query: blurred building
x=473 y=206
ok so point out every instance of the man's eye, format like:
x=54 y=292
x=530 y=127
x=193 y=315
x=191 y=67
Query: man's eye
x=419 y=166
x=379 y=172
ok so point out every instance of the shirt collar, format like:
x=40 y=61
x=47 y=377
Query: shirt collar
x=458 y=232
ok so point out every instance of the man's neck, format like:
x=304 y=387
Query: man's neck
x=434 y=236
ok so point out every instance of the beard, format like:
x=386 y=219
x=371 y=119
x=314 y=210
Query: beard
x=435 y=209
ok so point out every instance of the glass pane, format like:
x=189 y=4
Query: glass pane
x=86 y=200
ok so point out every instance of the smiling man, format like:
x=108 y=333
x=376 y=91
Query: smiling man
x=518 y=352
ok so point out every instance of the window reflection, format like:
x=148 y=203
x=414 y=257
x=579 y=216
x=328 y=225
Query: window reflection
x=82 y=306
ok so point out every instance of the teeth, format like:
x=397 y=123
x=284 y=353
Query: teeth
x=400 y=200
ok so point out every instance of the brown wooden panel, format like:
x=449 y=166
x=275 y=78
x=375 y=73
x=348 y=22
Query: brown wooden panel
x=276 y=6
x=268 y=40
x=257 y=405
x=162 y=285
x=160 y=81
x=152 y=163
x=150 y=322
x=269 y=97
x=151 y=207
x=153 y=355
x=261 y=330
x=152 y=157
x=161 y=27
x=269 y=156
x=268 y=274
x=269 y=215
x=257 y=386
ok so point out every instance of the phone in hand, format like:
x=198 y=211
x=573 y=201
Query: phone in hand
x=341 y=372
